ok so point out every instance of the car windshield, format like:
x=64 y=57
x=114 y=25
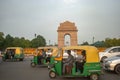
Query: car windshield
x=107 y=49
x=118 y=55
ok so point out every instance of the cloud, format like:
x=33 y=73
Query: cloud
x=70 y=1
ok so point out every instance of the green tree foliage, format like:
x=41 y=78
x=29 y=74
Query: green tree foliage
x=1 y=40
x=10 y=41
x=85 y=43
x=22 y=42
x=112 y=42
x=38 y=41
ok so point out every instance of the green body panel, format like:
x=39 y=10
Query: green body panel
x=35 y=60
x=16 y=56
x=58 y=68
x=19 y=56
x=89 y=68
x=52 y=60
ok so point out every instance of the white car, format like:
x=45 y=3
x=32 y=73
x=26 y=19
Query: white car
x=109 y=52
x=112 y=64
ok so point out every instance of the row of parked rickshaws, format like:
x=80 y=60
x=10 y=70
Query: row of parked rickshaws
x=54 y=58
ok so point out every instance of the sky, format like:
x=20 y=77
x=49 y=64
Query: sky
x=93 y=18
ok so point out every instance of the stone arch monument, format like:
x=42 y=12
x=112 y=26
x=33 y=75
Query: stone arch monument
x=67 y=28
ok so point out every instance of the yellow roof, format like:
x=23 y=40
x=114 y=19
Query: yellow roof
x=18 y=50
x=46 y=47
x=54 y=52
x=14 y=47
x=91 y=52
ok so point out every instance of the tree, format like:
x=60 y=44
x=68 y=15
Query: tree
x=1 y=40
x=85 y=43
x=38 y=41
x=9 y=41
x=99 y=44
x=112 y=42
x=21 y=42
x=24 y=42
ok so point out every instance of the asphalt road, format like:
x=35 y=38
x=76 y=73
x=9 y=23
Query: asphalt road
x=23 y=71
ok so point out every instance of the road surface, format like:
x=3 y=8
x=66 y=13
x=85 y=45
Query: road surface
x=23 y=71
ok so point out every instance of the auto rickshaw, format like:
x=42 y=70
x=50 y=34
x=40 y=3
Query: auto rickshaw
x=13 y=53
x=44 y=56
x=90 y=67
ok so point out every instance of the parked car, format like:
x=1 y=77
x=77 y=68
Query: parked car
x=112 y=64
x=109 y=52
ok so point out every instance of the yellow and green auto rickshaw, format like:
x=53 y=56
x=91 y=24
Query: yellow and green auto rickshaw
x=89 y=67
x=13 y=53
x=44 y=56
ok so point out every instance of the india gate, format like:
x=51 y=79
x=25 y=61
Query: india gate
x=67 y=28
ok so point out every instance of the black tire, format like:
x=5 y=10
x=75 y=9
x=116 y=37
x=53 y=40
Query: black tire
x=52 y=74
x=33 y=64
x=117 y=69
x=103 y=58
x=18 y=59
x=21 y=59
x=93 y=77
x=3 y=59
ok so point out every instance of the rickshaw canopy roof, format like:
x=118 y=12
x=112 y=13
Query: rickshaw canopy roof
x=47 y=47
x=91 y=52
x=18 y=50
x=54 y=52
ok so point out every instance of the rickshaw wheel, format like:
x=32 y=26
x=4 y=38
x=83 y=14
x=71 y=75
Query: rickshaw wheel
x=117 y=69
x=33 y=64
x=52 y=74
x=94 y=77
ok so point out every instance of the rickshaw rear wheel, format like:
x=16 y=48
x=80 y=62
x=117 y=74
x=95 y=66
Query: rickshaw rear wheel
x=52 y=74
x=33 y=64
x=93 y=77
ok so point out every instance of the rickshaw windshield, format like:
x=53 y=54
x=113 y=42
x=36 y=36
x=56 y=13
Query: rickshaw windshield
x=58 y=53
x=52 y=51
x=9 y=51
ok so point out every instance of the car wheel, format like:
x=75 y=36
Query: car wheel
x=94 y=77
x=117 y=69
x=52 y=74
x=103 y=58
x=33 y=64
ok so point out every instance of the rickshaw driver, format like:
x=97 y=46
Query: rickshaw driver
x=39 y=54
x=68 y=61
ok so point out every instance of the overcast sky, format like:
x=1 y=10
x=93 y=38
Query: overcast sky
x=24 y=18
